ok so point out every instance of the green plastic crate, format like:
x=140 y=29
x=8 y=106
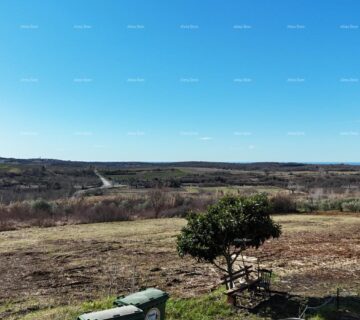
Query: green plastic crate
x=151 y=301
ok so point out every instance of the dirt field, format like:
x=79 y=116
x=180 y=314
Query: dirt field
x=41 y=268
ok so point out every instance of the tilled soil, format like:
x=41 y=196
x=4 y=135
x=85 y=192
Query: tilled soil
x=88 y=269
x=305 y=260
x=308 y=262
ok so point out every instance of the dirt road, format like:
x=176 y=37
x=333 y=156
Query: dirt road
x=105 y=185
x=105 y=182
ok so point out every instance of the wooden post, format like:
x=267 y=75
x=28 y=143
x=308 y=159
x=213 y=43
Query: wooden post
x=337 y=299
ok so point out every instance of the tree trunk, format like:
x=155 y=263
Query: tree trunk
x=229 y=267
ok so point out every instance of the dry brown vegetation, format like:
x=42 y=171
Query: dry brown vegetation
x=119 y=204
x=119 y=207
x=67 y=264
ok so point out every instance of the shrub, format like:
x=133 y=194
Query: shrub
x=327 y=205
x=307 y=206
x=41 y=205
x=178 y=200
x=351 y=206
x=282 y=203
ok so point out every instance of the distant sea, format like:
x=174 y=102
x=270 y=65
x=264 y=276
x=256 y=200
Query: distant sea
x=348 y=163
x=311 y=162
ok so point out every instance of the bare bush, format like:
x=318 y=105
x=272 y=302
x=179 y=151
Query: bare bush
x=157 y=199
x=282 y=203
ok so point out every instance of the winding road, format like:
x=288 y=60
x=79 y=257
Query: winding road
x=106 y=184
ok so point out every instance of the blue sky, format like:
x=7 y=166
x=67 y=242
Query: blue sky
x=158 y=80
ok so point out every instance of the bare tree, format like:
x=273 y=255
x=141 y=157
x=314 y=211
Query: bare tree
x=292 y=186
x=157 y=199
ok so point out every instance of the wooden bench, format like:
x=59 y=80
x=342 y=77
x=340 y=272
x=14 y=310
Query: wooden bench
x=244 y=272
x=237 y=292
x=260 y=286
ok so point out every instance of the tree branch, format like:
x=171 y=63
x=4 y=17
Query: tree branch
x=221 y=268
x=236 y=256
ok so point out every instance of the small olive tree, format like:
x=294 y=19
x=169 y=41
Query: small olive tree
x=226 y=229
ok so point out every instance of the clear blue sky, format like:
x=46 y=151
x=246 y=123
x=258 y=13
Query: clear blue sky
x=158 y=80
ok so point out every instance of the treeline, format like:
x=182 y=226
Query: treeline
x=26 y=182
x=338 y=182
x=274 y=166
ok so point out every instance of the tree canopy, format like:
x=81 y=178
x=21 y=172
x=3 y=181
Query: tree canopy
x=226 y=229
